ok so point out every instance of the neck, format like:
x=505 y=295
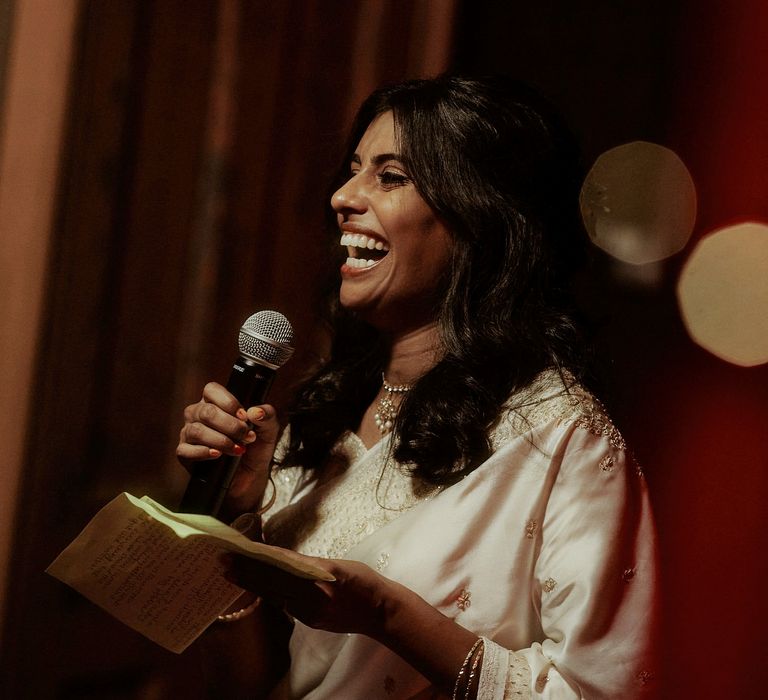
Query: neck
x=412 y=353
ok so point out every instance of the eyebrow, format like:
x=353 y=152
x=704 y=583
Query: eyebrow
x=379 y=159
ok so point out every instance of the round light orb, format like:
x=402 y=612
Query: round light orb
x=723 y=294
x=638 y=203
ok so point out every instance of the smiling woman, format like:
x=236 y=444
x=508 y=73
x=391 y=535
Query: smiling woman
x=488 y=533
x=382 y=208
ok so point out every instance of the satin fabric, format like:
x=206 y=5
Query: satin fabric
x=547 y=550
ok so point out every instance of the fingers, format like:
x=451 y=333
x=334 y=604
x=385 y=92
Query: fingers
x=282 y=589
x=218 y=395
x=353 y=602
x=265 y=428
x=198 y=441
x=213 y=426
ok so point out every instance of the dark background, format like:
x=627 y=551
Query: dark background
x=199 y=143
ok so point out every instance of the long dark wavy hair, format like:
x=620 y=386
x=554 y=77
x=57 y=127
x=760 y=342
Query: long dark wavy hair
x=494 y=161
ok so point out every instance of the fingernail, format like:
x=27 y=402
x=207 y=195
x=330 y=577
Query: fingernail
x=241 y=414
x=239 y=449
x=258 y=413
x=251 y=436
x=214 y=453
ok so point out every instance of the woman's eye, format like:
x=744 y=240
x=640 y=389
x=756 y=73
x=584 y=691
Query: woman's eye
x=390 y=178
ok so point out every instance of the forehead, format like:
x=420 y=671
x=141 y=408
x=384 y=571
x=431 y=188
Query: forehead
x=378 y=138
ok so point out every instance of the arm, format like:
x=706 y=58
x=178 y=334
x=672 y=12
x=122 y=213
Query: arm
x=590 y=627
x=595 y=577
x=362 y=601
x=247 y=656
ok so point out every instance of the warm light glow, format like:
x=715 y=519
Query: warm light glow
x=638 y=203
x=723 y=294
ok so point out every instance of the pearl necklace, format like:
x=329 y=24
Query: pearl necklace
x=385 y=416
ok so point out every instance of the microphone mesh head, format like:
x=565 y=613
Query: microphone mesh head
x=266 y=338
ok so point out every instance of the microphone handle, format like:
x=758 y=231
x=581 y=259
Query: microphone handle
x=249 y=383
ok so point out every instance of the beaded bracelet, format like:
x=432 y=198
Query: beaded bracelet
x=240 y=614
x=463 y=669
x=244 y=524
x=249 y=524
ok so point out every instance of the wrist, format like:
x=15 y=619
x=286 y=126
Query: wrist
x=249 y=524
x=239 y=504
x=415 y=631
x=404 y=615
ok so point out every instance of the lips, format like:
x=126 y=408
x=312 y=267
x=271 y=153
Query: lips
x=363 y=251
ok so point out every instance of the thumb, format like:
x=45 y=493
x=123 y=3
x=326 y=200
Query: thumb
x=256 y=461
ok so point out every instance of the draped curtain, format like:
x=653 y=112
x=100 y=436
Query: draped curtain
x=200 y=141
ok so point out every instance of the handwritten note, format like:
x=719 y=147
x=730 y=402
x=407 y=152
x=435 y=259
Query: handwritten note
x=158 y=572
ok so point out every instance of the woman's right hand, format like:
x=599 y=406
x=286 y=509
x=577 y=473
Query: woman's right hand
x=218 y=424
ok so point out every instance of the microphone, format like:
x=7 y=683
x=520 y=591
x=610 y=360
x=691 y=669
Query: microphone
x=265 y=346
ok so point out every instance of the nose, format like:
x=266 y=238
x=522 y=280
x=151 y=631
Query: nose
x=349 y=197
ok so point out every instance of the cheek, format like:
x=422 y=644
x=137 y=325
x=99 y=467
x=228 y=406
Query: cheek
x=429 y=264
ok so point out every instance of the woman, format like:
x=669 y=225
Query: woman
x=488 y=533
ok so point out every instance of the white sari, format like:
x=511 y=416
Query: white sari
x=547 y=550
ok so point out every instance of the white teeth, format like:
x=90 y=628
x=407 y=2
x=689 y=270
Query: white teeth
x=358 y=240
x=360 y=262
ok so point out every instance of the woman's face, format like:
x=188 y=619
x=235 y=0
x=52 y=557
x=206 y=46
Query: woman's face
x=398 y=250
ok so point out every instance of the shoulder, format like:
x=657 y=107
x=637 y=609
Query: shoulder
x=554 y=400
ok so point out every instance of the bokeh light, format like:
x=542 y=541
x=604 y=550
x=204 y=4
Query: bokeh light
x=638 y=203
x=723 y=294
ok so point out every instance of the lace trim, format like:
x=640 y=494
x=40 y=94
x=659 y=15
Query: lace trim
x=285 y=480
x=504 y=674
x=518 y=683
x=550 y=398
x=597 y=422
x=362 y=491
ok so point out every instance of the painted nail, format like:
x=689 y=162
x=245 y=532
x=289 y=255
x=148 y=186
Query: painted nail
x=239 y=449
x=250 y=436
x=214 y=453
x=258 y=413
x=241 y=414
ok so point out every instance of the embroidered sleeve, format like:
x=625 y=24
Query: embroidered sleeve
x=596 y=573
x=594 y=577
x=504 y=675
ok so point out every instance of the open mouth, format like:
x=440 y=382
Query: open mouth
x=363 y=251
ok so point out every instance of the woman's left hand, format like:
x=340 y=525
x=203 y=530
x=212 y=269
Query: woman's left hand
x=355 y=602
x=363 y=601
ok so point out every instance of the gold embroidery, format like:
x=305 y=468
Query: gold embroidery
x=606 y=463
x=549 y=585
x=644 y=677
x=551 y=397
x=597 y=422
x=382 y=561
x=530 y=529
x=463 y=601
